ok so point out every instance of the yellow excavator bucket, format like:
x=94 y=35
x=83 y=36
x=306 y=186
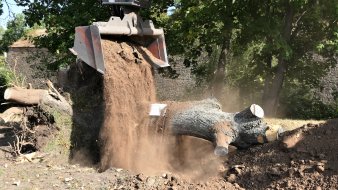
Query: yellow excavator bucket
x=88 y=48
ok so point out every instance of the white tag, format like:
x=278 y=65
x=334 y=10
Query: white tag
x=156 y=109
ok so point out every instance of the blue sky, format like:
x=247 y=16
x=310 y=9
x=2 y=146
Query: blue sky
x=171 y=10
x=6 y=16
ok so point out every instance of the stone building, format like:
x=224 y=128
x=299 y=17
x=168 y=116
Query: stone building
x=174 y=89
x=29 y=62
x=328 y=91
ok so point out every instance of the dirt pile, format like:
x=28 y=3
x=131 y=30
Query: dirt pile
x=126 y=139
x=28 y=131
x=306 y=158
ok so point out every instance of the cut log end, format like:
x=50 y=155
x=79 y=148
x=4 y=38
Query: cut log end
x=257 y=111
x=7 y=94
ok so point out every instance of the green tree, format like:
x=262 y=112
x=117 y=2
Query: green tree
x=197 y=27
x=2 y=31
x=290 y=31
x=1 y=8
x=16 y=29
x=271 y=43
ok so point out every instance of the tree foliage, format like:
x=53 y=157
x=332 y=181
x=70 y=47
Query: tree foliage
x=294 y=30
x=16 y=29
x=2 y=31
x=1 y=8
x=273 y=43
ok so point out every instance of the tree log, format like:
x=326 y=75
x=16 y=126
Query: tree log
x=38 y=97
x=25 y=96
x=205 y=119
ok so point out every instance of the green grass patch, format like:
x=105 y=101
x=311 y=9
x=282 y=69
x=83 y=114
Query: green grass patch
x=60 y=142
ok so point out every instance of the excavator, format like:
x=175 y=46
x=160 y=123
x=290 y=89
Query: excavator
x=124 y=22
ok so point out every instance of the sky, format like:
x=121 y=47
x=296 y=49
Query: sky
x=171 y=10
x=6 y=16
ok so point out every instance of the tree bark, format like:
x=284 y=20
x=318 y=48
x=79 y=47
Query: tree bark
x=268 y=80
x=38 y=97
x=272 y=97
x=219 y=76
x=205 y=119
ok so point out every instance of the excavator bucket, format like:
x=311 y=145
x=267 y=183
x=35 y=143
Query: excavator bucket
x=88 y=48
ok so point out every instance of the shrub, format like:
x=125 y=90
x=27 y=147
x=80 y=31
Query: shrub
x=8 y=78
x=300 y=103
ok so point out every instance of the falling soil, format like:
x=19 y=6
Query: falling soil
x=126 y=138
x=130 y=138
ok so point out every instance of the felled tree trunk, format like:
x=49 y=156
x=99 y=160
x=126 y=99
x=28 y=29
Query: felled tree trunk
x=25 y=96
x=205 y=119
x=38 y=97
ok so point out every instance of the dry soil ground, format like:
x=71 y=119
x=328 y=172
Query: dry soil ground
x=308 y=160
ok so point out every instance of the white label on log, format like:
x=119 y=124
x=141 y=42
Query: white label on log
x=157 y=109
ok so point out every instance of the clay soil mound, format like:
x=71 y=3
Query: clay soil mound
x=306 y=158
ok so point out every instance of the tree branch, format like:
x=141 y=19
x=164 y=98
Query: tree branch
x=294 y=28
x=10 y=12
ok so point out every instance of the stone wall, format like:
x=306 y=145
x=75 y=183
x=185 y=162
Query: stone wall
x=174 y=89
x=31 y=64
x=328 y=92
